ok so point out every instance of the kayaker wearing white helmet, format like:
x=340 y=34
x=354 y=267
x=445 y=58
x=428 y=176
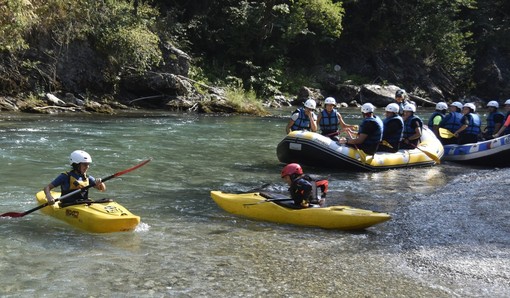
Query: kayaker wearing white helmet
x=470 y=129
x=75 y=179
x=329 y=119
x=437 y=116
x=413 y=127
x=370 y=131
x=393 y=128
x=495 y=120
x=451 y=122
x=505 y=129
x=303 y=118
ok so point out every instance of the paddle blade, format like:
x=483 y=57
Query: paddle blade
x=445 y=133
x=12 y=214
x=432 y=156
x=132 y=168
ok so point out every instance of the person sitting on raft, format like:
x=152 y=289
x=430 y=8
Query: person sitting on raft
x=370 y=131
x=303 y=118
x=329 y=119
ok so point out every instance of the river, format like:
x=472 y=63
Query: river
x=449 y=236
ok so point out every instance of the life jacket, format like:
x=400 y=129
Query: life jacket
x=473 y=126
x=408 y=129
x=329 y=122
x=431 y=119
x=74 y=184
x=314 y=196
x=302 y=122
x=393 y=137
x=507 y=130
x=451 y=121
x=490 y=122
x=375 y=138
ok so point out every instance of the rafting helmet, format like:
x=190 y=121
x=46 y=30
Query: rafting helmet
x=330 y=101
x=79 y=156
x=507 y=102
x=456 y=104
x=470 y=106
x=292 y=169
x=310 y=103
x=441 y=106
x=367 y=108
x=410 y=108
x=400 y=93
x=392 y=107
x=493 y=104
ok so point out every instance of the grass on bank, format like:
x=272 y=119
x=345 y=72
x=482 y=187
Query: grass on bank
x=244 y=102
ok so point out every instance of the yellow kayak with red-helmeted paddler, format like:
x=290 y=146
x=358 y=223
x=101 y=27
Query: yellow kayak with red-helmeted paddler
x=268 y=207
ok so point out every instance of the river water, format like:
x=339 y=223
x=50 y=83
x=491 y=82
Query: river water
x=449 y=236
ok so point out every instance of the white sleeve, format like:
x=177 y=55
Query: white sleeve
x=294 y=116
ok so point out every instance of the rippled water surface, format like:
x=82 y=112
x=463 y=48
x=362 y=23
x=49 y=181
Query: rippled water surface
x=449 y=236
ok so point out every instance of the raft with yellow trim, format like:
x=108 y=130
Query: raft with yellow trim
x=256 y=206
x=97 y=217
x=314 y=149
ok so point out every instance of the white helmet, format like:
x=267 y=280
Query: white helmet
x=456 y=104
x=367 y=108
x=441 y=106
x=392 y=107
x=471 y=106
x=507 y=102
x=330 y=101
x=79 y=156
x=400 y=93
x=310 y=103
x=410 y=108
x=493 y=104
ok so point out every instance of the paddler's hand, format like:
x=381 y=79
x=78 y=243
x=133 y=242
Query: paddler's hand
x=342 y=141
x=50 y=200
x=100 y=185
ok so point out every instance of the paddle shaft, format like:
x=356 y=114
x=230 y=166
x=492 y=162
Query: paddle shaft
x=15 y=214
x=269 y=200
x=362 y=154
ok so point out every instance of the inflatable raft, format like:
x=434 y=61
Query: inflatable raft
x=259 y=207
x=314 y=149
x=491 y=153
x=96 y=217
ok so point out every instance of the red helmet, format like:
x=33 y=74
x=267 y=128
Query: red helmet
x=292 y=168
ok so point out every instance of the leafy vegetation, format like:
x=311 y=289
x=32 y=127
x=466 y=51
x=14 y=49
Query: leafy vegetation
x=272 y=46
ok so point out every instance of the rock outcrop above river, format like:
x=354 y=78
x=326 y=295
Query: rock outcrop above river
x=77 y=82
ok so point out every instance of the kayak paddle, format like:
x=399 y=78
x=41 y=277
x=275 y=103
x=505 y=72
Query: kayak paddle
x=269 y=198
x=17 y=214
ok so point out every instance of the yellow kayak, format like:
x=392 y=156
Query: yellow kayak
x=96 y=217
x=255 y=206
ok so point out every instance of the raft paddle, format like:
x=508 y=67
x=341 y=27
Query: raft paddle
x=362 y=154
x=445 y=133
x=17 y=214
x=431 y=155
